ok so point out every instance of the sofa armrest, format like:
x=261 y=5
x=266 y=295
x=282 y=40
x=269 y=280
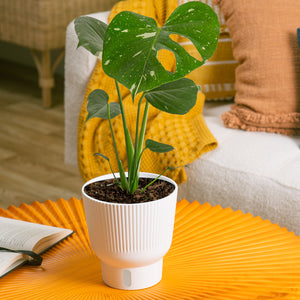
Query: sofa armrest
x=79 y=65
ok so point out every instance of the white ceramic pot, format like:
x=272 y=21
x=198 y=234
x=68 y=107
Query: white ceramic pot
x=131 y=239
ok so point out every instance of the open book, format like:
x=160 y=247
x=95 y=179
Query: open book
x=22 y=241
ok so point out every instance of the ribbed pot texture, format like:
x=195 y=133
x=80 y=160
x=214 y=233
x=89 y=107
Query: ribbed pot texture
x=131 y=239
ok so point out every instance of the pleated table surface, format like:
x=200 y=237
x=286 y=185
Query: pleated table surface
x=216 y=253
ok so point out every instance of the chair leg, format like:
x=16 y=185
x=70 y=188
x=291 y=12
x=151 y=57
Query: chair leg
x=46 y=80
x=46 y=73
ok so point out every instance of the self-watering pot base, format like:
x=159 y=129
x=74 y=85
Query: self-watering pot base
x=132 y=278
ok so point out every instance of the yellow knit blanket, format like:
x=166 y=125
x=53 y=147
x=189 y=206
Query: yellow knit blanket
x=188 y=134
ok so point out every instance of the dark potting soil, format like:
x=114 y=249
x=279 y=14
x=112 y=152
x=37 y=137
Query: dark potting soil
x=109 y=191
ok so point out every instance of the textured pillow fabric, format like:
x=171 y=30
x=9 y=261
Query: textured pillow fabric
x=217 y=77
x=264 y=39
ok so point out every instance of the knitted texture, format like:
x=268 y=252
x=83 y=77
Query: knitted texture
x=188 y=134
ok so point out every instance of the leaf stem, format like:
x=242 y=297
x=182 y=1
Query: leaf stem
x=107 y=159
x=128 y=140
x=168 y=168
x=138 y=121
x=120 y=166
x=132 y=169
x=143 y=128
x=155 y=179
x=139 y=140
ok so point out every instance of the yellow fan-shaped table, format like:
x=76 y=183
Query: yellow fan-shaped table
x=216 y=254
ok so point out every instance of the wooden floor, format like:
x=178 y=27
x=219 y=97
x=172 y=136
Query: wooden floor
x=32 y=141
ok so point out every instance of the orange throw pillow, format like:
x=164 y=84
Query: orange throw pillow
x=264 y=40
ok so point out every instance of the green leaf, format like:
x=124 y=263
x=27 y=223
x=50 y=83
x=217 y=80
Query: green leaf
x=97 y=105
x=176 y=97
x=197 y=22
x=158 y=147
x=90 y=33
x=132 y=42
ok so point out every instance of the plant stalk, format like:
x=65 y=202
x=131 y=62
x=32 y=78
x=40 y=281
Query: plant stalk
x=120 y=166
x=139 y=144
x=154 y=179
x=128 y=140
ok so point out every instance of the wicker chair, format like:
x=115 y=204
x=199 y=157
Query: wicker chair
x=40 y=25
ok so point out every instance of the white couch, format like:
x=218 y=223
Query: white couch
x=257 y=173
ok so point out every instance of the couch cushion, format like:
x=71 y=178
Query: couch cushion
x=256 y=172
x=264 y=36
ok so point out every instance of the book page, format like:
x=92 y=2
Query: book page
x=9 y=261
x=21 y=235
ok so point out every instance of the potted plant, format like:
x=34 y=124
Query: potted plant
x=132 y=231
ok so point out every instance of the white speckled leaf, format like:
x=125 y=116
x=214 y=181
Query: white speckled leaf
x=130 y=35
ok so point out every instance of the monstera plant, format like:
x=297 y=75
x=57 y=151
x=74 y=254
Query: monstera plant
x=129 y=47
x=131 y=238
